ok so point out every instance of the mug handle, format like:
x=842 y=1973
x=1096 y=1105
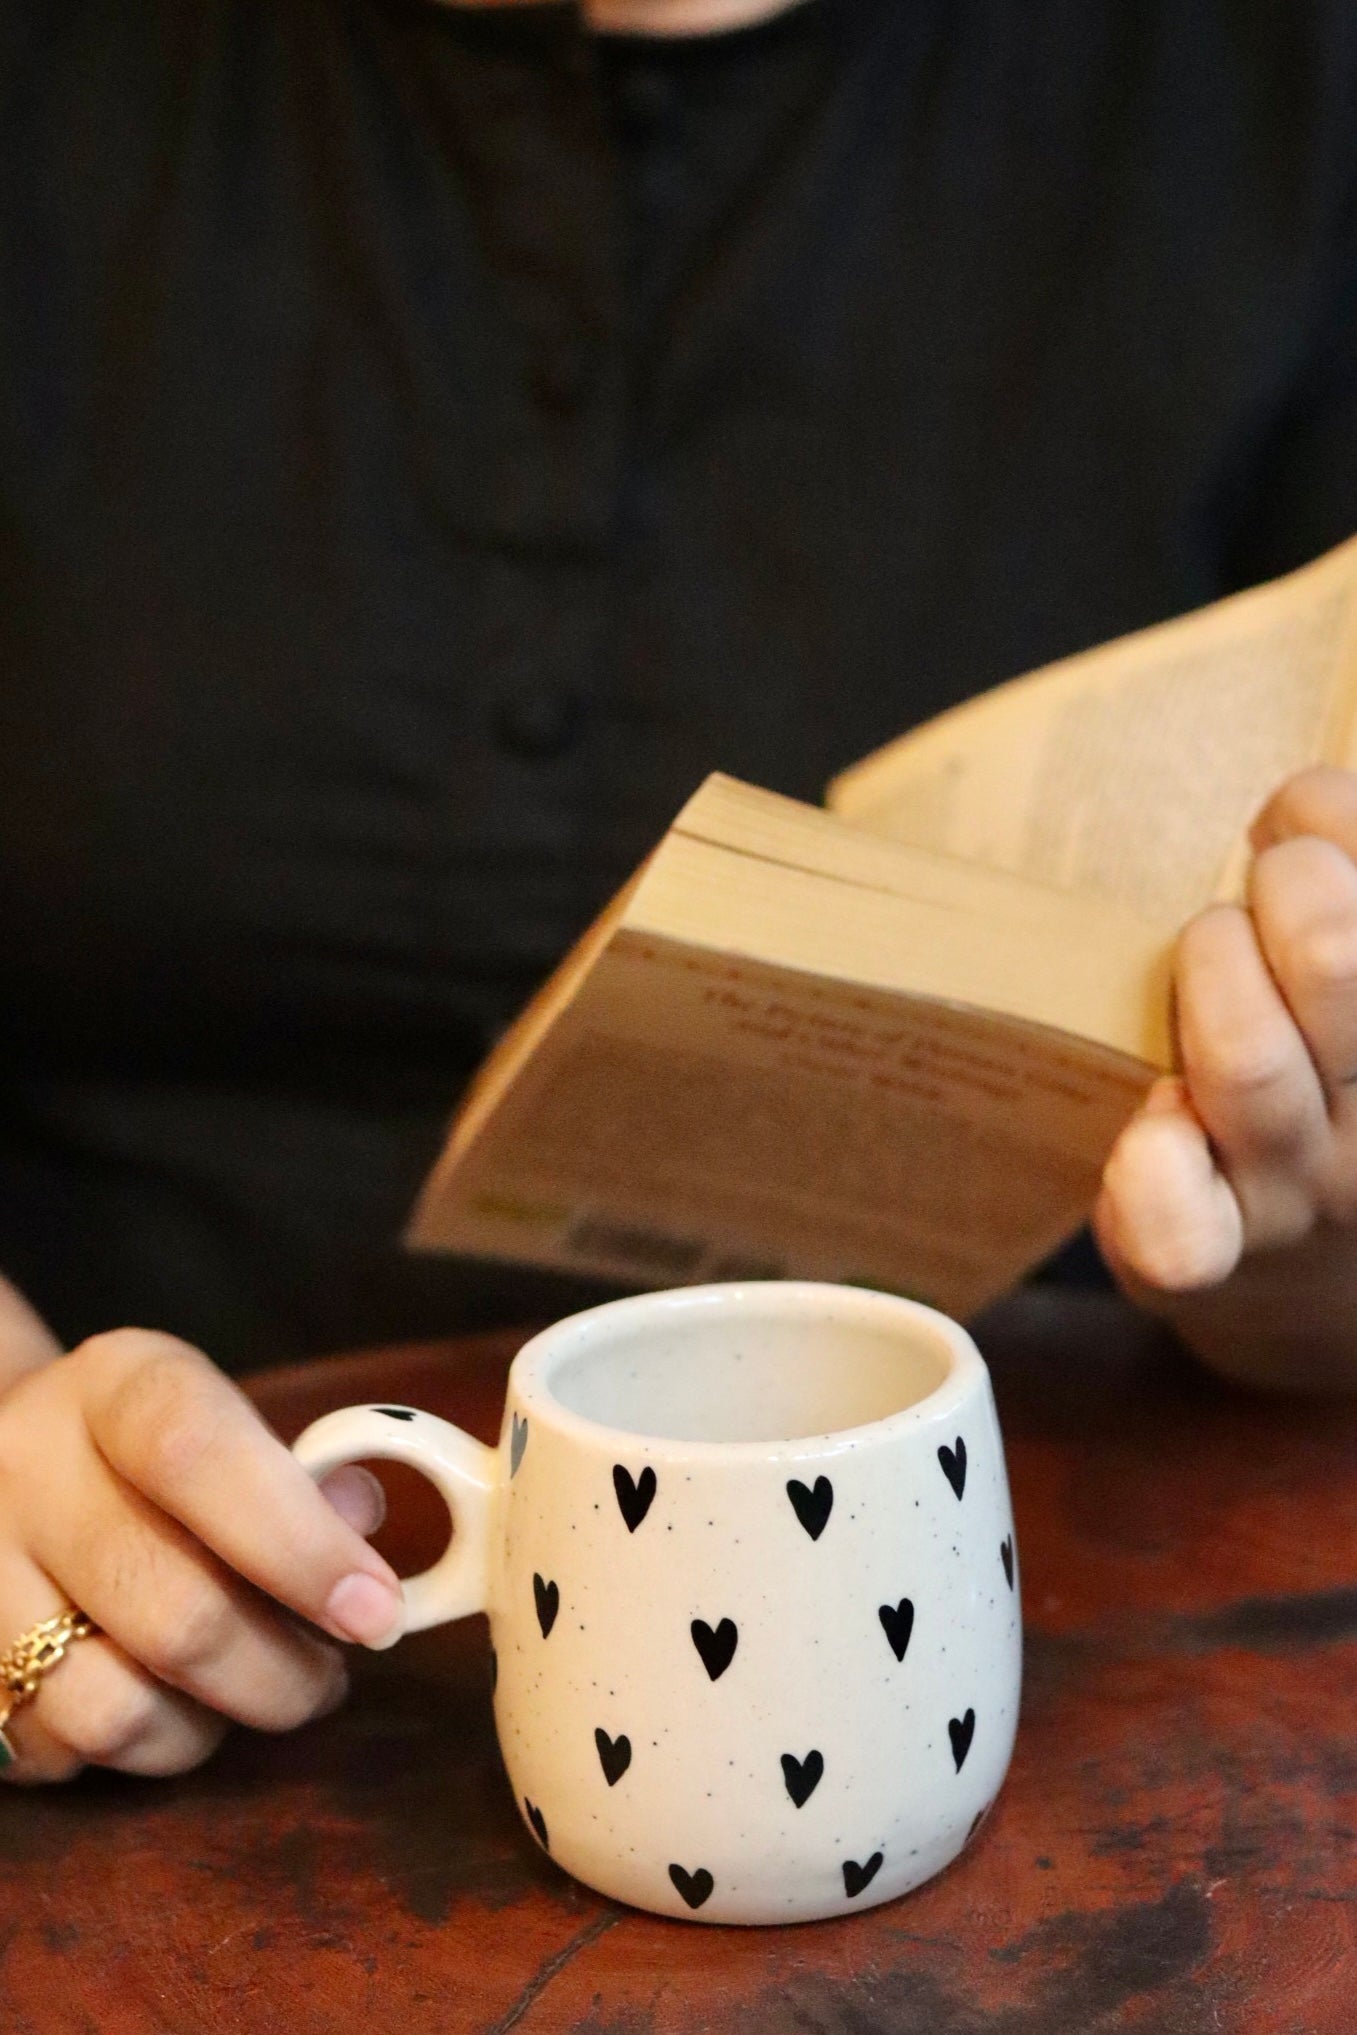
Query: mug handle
x=465 y=1472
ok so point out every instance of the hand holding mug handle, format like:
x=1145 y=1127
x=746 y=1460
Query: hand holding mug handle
x=463 y=1471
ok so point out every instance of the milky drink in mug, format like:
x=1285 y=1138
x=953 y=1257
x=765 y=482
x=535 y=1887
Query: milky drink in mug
x=748 y=1559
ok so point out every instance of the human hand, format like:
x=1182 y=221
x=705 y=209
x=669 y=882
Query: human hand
x=138 y=1483
x=1254 y=1145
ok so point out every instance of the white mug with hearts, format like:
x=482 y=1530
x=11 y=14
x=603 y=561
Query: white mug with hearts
x=748 y=1558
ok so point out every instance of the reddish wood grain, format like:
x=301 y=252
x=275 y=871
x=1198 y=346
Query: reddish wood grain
x=1173 y=1853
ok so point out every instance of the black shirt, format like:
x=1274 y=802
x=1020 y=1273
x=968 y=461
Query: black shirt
x=431 y=440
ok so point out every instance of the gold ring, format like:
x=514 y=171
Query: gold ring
x=31 y=1656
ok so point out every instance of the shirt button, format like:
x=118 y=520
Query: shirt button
x=539 y=722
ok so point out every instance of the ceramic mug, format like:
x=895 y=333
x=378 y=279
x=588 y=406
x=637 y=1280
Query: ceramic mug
x=748 y=1559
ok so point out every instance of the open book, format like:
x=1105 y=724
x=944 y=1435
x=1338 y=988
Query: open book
x=893 y=1042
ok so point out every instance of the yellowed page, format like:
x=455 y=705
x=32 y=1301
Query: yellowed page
x=692 y=1115
x=797 y=1050
x=920 y=924
x=1131 y=772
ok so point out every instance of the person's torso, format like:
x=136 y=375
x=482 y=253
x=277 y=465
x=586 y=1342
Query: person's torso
x=431 y=441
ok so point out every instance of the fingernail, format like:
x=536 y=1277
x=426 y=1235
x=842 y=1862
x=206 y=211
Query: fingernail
x=362 y=1608
x=357 y=1497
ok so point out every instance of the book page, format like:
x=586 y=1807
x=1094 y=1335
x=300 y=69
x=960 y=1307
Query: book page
x=1132 y=771
x=880 y=915
x=695 y=1116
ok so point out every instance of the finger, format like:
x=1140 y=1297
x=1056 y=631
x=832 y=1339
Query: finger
x=1303 y=894
x=177 y=1611
x=99 y=1709
x=168 y=1422
x=1249 y=1077
x=357 y=1497
x=29 y=1598
x=111 y=1712
x=1165 y=1213
x=1321 y=800
x=95 y=1707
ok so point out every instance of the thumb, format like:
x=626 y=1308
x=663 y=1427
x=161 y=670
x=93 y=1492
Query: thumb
x=1166 y=1217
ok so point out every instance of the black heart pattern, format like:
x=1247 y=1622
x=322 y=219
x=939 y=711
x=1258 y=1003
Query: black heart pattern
x=716 y=1648
x=695 y=1887
x=548 y=1600
x=954 y=1465
x=614 y=1755
x=1006 y=1557
x=494 y=1671
x=633 y=1499
x=802 y=1776
x=856 y=1877
x=812 y=1508
x=897 y=1622
x=395 y=1412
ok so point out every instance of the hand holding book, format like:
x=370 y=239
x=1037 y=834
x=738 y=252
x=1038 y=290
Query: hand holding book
x=1251 y=1152
x=896 y=1042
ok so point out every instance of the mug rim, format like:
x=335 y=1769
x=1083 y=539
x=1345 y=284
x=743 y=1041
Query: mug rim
x=533 y=1369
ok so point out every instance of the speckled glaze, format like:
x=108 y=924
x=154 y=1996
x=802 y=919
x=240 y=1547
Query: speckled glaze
x=748 y=1557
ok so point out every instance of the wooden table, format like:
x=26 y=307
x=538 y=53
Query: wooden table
x=1173 y=1851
